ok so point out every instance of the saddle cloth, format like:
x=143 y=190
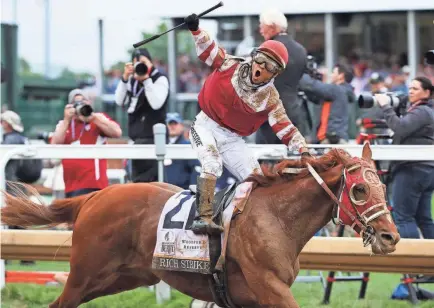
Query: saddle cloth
x=177 y=247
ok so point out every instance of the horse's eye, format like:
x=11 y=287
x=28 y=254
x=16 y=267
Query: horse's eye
x=360 y=188
x=359 y=193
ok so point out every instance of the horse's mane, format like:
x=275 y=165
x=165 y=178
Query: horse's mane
x=275 y=175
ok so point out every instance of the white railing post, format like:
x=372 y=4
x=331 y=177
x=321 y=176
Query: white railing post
x=160 y=148
x=162 y=289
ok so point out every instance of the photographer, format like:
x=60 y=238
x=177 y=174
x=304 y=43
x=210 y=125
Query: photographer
x=145 y=92
x=333 y=128
x=413 y=181
x=81 y=125
x=374 y=114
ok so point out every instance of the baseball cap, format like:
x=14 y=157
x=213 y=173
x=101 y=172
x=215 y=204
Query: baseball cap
x=74 y=93
x=13 y=119
x=406 y=69
x=173 y=117
x=141 y=52
x=376 y=78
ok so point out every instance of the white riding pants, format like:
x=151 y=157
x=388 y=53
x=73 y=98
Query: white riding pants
x=217 y=147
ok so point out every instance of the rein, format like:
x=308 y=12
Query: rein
x=332 y=195
x=360 y=220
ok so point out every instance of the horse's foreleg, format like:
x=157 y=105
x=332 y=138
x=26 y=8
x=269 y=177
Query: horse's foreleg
x=270 y=291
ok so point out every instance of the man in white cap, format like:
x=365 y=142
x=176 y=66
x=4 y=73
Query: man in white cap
x=25 y=171
x=11 y=122
x=12 y=134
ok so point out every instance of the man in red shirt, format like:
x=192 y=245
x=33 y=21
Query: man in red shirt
x=81 y=125
x=236 y=99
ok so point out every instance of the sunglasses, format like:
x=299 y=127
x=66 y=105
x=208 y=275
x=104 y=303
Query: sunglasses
x=270 y=65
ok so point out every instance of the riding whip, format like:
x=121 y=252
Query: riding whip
x=180 y=25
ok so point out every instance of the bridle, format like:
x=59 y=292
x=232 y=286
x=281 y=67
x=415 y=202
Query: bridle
x=358 y=221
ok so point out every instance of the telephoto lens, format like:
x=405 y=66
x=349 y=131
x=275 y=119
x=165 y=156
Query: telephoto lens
x=83 y=109
x=141 y=68
x=366 y=101
x=395 y=100
x=429 y=57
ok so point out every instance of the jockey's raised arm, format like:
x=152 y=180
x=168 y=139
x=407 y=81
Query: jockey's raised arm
x=235 y=100
x=207 y=49
x=284 y=129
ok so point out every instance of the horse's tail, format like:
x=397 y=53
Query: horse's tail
x=20 y=210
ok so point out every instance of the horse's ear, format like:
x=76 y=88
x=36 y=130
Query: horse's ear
x=367 y=153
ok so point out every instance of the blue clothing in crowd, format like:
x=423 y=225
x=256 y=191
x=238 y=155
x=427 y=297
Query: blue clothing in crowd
x=182 y=172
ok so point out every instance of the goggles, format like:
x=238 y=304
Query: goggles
x=270 y=64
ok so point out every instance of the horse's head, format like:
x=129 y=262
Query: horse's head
x=363 y=204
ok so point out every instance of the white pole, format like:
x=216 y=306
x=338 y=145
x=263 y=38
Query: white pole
x=162 y=289
x=47 y=38
x=171 y=52
x=412 y=42
x=330 y=43
x=15 y=11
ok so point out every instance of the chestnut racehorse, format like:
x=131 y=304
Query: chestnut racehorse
x=114 y=232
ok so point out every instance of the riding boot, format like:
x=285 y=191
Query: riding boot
x=204 y=224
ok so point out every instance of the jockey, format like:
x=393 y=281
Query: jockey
x=236 y=99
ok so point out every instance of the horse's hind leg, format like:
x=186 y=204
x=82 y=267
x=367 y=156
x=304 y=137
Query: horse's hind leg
x=105 y=283
x=55 y=304
x=72 y=292
x=121 y=284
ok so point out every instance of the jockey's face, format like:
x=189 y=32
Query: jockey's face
x=260 y=74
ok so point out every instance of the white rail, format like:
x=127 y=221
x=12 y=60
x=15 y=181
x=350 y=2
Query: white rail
x=184 y=151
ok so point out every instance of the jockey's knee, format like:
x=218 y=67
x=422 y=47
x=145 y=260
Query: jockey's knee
x=213 y=168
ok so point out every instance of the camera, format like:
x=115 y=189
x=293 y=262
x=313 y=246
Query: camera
x=44 y=136
x=83 y=109
x=140 y=68
x=429 y=57
x=397 y=101
x=312 y=68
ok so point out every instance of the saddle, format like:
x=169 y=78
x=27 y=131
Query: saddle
x=218 y=278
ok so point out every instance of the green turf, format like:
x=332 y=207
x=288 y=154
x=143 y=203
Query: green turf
x=35 y=296
x=39 y=266
x=308 y=295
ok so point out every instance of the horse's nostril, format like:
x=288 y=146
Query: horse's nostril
x=387 y=237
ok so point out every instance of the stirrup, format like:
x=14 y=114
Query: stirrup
x=202 y=226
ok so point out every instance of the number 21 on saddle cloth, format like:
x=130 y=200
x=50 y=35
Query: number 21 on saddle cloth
x=180 y=249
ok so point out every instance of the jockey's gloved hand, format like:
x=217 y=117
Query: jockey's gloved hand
x=192 y=22
x=305 y=153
